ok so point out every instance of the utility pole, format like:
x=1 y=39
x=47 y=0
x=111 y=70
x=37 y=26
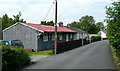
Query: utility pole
x=55 y=26
x=101 y=34
x=101 y=31
x=82 y=39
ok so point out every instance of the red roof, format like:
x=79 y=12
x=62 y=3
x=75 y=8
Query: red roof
x=47 y=28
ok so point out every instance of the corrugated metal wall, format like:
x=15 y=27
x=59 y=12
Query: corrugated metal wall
x=19 y=32
x=45 y=45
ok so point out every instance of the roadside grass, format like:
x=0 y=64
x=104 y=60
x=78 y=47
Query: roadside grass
x=116 y=59
x=47 y=52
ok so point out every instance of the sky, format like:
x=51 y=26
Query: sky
x=35 y=11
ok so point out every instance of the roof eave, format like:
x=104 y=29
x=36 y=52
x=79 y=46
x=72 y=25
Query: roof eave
x=10 y=26
x=24 y=25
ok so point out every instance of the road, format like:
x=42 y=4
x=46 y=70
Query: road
x=93 y=56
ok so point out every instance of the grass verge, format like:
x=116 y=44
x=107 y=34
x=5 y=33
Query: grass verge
x=47 y=52
x=116 y=59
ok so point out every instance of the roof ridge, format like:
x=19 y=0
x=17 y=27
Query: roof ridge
x=42 y=28
x=37 y=24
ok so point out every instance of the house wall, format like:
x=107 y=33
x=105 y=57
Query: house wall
x=79 y=35
x=45 y=45
x=27 y=35
x=103 y=35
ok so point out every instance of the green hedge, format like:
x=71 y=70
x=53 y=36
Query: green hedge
x=113 y=27
x=96 y=38
x=13 y=58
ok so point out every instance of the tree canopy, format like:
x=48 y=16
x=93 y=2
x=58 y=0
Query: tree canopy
x=6 y=21
x=86 y=23
x=100 y=26
x=113 y=27
x=17 y=18
x=0 y=29
x=50 y=23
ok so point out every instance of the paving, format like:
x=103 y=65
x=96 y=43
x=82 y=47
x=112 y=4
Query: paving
x=35 y=58
x=92 y=56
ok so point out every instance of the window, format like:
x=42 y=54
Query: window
x=60 y=36
x=67 y=37
x=53 y=37
x=71 y=36
x=45 y=37
x=77 y=36
x=85 y=35
x=17 y=43
x=81 y=35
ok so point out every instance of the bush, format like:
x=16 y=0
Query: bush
x=13 y=58
x=113 y=27
x=96 y=38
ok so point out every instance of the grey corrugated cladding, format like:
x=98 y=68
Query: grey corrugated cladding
x=20 y=32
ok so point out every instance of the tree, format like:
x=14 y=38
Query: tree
x=0 y=29
x=113 y=27
x=74 y=24
x=100 y=26
x=6 y=21
x=50 y=23
x=86 y=23
x=93 y=29
x=17 y=18
x=0 y=21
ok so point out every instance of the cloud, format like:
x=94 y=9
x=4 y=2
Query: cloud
x=34 y=11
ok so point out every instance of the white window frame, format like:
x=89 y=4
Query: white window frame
x=77 y=36
x=67 y=37
x=53 y=37
x=83 y=36
x=60 y=37
x=71 y=36
x=45 y=36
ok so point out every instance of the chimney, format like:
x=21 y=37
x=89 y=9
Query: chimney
x=68 y=25
x=60 y=24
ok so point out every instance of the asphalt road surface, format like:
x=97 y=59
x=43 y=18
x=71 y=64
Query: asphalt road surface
x=93 y=56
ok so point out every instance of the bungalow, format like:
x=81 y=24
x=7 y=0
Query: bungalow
x=37 y=37
x=80 y=33
x=103 y=34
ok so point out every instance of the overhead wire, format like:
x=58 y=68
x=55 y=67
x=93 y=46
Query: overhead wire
x=48 y=11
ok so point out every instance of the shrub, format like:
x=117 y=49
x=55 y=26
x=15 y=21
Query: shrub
x=13 y=58
x=96 y=38
x=113 y=27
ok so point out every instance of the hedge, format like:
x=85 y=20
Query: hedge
x=96 y=38
x=13 y=58
x=113 y=27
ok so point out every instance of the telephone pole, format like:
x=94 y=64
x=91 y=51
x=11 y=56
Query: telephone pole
x=55 y=26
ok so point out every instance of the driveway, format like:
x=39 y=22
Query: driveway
x=36 y=58
x=93 y=56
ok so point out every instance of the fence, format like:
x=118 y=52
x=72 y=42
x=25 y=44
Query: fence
x=69 y=45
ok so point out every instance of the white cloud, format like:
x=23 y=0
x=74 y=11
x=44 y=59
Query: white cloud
x=68 y=10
